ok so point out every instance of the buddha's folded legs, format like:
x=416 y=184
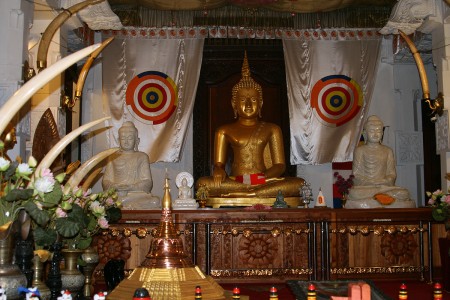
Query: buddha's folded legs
x=230 y=188
x=368 y=192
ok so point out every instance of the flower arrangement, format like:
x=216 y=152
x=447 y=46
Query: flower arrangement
x=21 y=189
x=78 y=217
x=74 y=216
x=343 y=185
x=440 y=203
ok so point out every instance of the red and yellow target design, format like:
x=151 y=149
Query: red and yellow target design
x=152 y=97
x=336 y=99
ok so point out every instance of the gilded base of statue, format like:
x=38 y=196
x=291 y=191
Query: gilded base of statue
x=214 y=202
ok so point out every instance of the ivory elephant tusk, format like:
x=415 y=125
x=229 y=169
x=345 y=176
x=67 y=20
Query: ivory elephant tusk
x=87 y=66
x=53 y=26
x=22 y=95
x=59 y=147
x=86 y=167
x=89 y=179
x=420 y=67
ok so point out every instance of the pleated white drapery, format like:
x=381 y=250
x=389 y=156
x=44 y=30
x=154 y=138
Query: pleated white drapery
x=329 y=86
x=156 y=71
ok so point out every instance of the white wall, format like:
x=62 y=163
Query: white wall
x=15 y=19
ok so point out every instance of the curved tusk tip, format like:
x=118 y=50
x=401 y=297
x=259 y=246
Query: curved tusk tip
x=101 y=47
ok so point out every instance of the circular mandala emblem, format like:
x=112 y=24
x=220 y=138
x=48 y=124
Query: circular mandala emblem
x=151 y=97
x=258 y=250
x=336 y=99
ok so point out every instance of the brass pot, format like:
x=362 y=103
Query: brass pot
x=91 y=258
x=72 y=279
x=38 y=271
x=10 y=275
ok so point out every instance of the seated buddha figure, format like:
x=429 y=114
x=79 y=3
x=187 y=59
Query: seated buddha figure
x=128 y=171
x=375 y=174
x=250 y=180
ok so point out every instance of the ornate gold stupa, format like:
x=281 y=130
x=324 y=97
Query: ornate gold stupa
x=166 y=273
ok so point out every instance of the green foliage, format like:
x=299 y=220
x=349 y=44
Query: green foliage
x=440 y=202
x=53 y=198
x=113 y=214
x=41 y=217
x=18 y=195
x=44 y=238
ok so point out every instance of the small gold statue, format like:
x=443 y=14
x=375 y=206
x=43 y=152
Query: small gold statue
x=257 y=150
x=9 y=139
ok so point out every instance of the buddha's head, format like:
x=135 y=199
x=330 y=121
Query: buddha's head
x=247 y=98
x=373 y=130
x=128 y=137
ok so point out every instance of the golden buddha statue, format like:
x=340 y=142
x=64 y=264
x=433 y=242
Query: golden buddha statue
x=258 y=154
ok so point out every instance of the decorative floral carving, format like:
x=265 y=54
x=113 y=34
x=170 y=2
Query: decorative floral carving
x=398 y=249
x=109 y=247
x=258 y=250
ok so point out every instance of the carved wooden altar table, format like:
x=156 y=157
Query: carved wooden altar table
x=281 y=244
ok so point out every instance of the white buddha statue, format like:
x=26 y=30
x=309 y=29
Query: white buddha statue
x=375 y=174
x=184 y=182
x=128 y=171
x=184 y=191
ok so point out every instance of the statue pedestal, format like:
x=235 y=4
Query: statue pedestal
x=184 y=204
x=214 y=202
x=370 y=203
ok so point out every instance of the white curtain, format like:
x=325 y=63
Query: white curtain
x=152 y=82
x=329 y=85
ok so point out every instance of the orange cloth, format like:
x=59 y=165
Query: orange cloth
x=252 y=179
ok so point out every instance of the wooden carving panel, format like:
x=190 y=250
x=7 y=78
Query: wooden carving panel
x=133 y=249
x=368 y=250
x=259 y=251
x=46 y=135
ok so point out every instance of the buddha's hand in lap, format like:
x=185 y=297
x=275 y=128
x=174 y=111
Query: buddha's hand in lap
x=376 y=182
x=219 y=176
x=123 y=187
